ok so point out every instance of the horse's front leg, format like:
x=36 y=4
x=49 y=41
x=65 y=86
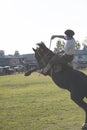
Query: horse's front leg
x=79 y=101
x=28 y=72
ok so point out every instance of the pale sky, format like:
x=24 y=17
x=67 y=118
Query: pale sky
x=23 y=23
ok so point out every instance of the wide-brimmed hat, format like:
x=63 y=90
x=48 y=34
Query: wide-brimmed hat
x=69 y=32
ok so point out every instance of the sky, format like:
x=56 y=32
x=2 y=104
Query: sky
x=23 y=23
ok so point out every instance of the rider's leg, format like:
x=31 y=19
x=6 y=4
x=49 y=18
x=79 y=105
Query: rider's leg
x=57 y=60
x=51 y=63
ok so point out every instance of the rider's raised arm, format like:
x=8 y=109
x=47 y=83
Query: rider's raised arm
x=58 y=36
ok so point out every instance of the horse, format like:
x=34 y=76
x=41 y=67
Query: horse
x=68 y=78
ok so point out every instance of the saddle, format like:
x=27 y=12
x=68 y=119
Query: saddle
x=62 y=67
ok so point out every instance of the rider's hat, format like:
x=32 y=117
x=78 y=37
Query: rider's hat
x=69 y=32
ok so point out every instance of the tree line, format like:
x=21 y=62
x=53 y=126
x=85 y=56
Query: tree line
x=60 y=44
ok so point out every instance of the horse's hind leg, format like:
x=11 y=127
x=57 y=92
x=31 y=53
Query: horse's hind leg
x=79 y=101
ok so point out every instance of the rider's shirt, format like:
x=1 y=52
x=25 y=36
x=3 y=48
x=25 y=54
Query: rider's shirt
x=69 y=47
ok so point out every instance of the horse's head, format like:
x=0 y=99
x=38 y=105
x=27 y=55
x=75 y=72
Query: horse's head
x=42 y=54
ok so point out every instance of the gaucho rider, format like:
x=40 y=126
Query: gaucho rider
x=68 y=52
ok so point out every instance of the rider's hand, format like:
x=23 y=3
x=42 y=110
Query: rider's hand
x=53 y=37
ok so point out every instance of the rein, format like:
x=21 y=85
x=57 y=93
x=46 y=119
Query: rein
x=42 y=58
x=50 y=44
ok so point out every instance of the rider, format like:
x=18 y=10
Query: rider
x=68 y=52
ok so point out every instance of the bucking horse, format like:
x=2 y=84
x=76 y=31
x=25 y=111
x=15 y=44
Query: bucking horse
x=68 y=78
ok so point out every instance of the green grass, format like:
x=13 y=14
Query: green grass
x=36 y=103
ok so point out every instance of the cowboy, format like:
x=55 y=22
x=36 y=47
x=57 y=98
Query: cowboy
x=68 y=52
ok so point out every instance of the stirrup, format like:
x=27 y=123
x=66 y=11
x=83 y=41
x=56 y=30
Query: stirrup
x=70 y=64
x=46 y=69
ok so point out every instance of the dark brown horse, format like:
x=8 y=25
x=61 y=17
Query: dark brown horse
x=72 y=80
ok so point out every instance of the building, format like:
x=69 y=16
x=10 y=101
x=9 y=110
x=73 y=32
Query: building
x=11 y=60
x=80 y=59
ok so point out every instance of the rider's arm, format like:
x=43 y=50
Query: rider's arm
x=58 y=36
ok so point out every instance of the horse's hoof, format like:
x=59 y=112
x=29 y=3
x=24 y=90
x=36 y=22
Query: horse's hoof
x=84 y=126
x=27 y=73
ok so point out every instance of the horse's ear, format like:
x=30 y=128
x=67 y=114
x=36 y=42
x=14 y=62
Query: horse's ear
x=42 y=42
x=39 y=44
x=34 y=49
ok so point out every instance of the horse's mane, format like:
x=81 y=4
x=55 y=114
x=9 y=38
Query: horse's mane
x=42 y=54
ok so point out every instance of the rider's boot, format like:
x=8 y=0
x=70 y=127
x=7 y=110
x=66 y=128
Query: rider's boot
x=46 y=69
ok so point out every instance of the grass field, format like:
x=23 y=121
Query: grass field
x=36 y=103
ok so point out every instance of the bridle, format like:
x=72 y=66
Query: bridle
x=41 y=58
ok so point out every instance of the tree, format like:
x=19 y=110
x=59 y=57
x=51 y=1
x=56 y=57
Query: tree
x=77 y=45
x=85 y=41
x=85 y=44
x=60 y=45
